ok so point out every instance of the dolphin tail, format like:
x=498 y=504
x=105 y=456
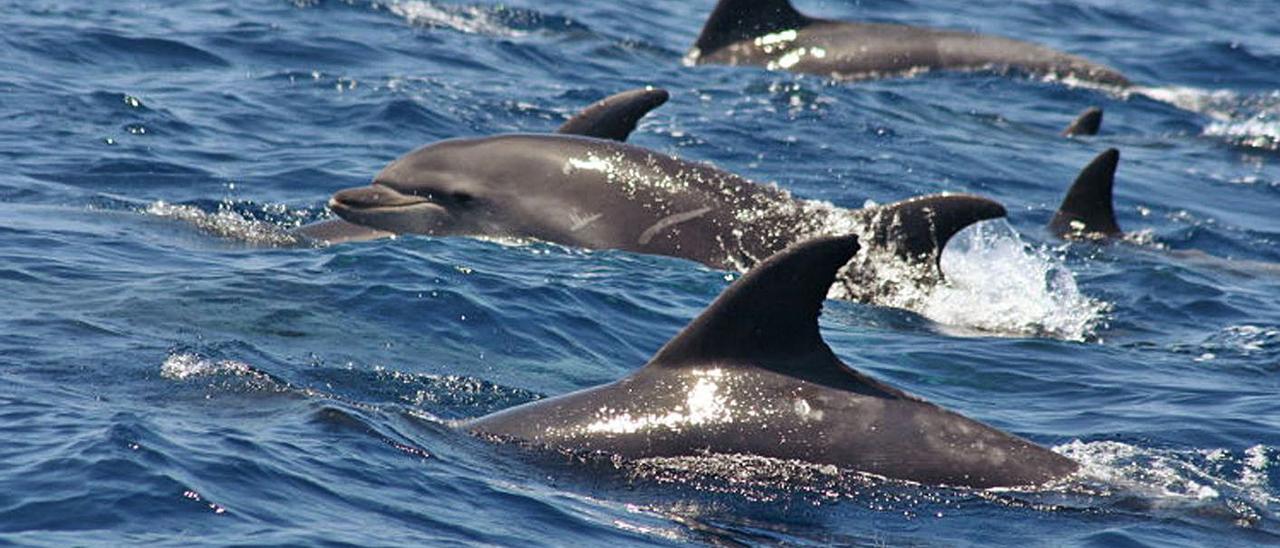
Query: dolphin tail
x=736 y=20
x=919 y=228
x=1087 y=208
x=768 y=315
x=615 y=116
x=1087 y=123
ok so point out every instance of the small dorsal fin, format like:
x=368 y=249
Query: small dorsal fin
x=1087 y=208
x=919 y=228
x=1087 y=123
x=737 y=20
x=770 y=315
x=615 y=116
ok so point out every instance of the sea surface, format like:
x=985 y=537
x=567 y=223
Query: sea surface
x=175 y=369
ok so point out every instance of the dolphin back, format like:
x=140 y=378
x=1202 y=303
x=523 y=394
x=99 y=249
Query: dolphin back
x=752 y=375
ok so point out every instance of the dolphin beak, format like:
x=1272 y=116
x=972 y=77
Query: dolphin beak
x=373 y=197
x=383 y=208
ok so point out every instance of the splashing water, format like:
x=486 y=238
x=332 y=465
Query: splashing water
x=181 y=366
x=997 y=283
x=994 y=283
x=1216 y=481
x=1251 y=121
x=467 y=19
x=226 y=224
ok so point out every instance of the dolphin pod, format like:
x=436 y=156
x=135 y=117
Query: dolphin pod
x=772 y=34
x=752 y=375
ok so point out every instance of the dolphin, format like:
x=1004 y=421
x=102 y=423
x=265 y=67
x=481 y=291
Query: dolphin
x=771 y=33
x=1088 y=213
x=613 y=117
x=752 y=375
x=602 y=194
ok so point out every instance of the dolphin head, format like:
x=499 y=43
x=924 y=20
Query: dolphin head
x=431 y=190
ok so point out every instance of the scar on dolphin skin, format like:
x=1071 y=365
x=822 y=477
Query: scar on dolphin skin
x=670 y=221
x=580 y=222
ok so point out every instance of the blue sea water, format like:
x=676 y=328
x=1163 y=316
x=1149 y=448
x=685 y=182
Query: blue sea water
x=172 y=372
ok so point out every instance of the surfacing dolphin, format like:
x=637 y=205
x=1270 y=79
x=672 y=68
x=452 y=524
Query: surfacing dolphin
x=602 y=194
x=1088 y=213
x=772 y=34
x=613 y=117
x=751 y=375
x=1087 y=123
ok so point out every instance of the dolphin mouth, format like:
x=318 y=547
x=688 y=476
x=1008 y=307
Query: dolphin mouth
x=375 y=197
x=384 y=208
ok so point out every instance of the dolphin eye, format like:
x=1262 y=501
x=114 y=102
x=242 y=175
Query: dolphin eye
x=462 y=198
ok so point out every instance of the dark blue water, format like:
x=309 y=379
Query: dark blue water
x=172 y=375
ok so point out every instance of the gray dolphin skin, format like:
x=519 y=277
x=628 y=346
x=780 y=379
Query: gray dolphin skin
x=751 y=375
x=772 y=34
x=613 y=117
x=602 y=194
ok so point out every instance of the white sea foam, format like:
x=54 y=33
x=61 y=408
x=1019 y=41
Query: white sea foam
x=468 y=19
x=1251 y=121
x=182 y=366
x=995 y=283
x=226 y=224
x=1168 y=479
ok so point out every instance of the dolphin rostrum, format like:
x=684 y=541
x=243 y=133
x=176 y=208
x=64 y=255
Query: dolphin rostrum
x=752 y=375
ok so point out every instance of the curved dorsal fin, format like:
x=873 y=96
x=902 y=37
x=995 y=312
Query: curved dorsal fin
x=769 y=317
x=615 y=116
x=736 y=20
x=1087 y=123
x=918 y=229
x=1087 y=208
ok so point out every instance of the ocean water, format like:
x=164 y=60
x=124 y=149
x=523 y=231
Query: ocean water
x=175 y=371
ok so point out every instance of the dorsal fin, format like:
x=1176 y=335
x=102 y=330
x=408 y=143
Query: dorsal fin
x=736 y=20
x=1087 y=208
x=1087 y=123
x=769 y=317
x=615 y=116
x=919 y=228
